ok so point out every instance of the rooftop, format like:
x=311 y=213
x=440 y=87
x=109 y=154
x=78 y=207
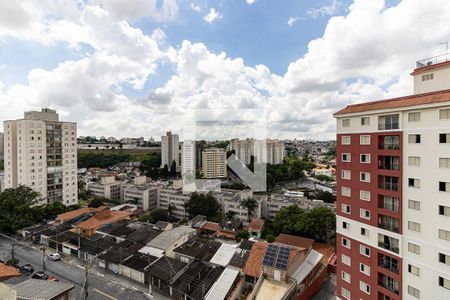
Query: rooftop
x=115 y=255
x=73 y=214
x=199 y=247
x=223 y=285
x=35 y=289
x=256 y=225
x=139 y=261
x=296 y=241
x=253 y=266
x=7 y=271
x=101 y=218
x=432 y=62
x=223 y=255
x=400 y=102
x=167 y=238
x=166 y=268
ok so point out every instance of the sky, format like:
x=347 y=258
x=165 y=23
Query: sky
x=130 y=68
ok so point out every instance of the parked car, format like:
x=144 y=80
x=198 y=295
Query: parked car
x=52 y=278
x=54 y=256
x=40 y=275
x=26 y=269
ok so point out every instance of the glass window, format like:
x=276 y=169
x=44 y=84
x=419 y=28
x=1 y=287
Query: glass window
x=414 y=117
x=388 y=122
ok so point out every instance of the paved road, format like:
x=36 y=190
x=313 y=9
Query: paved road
x=99 y=288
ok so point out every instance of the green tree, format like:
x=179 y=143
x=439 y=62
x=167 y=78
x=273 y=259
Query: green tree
x=250 y=204
x=322 y=223
x=16 y=209
x=322 y=177
x=173 y=169
x=230 y=214
x=96 y=202
x=270 y=238
x=242 y=234
x=154 y=216
x=2 y=166
x=165 y=171
x=325 y=196
x=203 y=204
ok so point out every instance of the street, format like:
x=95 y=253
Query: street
x=99 y=288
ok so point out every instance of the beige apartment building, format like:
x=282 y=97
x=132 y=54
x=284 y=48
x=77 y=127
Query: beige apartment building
x=108 y=188
x=214 y=163
x=41 y=152
x=264 y=151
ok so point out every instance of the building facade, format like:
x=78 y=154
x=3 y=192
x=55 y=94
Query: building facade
x=393 y=191
x=263 y=151
x=214 y=163
x=41 y=152
x=188 y=158
x=170 y=150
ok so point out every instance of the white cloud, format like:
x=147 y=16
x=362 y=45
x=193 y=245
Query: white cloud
x=292 y=20
x=195 y=7
x=250 y=2
x=326 y=10
x=212 y=16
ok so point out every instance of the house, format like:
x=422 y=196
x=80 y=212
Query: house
x=197 y=221
x=296 y=241
x=223 y=255
x=101 y=218
x=7 y=293
x=7 y=272
x=35 y=289
x=112 y=258
x=256 y=227
x=241 y=255
x=161 y=225
x=253 y=267
x=228 y=228
x=134 y=266
x=163 y=272
x=61 y=218
x=167 y=241
x=197 y=247
x=210 y=229
x=223 y=287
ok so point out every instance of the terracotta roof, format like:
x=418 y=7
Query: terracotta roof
x=431 y=67
x=7 y=272
x=256 y=225
x=296 y=241
x=254 y=264
x=412 y=100
x=326 y=250
x=211 y=226
x=102 y=218
x=73 y=214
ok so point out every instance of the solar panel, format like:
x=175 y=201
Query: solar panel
x=282 y=257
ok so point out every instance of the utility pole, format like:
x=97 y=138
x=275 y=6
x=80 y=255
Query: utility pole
x=86 y=293
x=12 y=251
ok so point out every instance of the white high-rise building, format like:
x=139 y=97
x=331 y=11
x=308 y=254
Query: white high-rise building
x=393 y=192
x=170 y=150
x=264 y=151
x=188 y=155
x=41 y=152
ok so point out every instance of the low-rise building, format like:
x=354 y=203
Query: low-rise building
x=256 y=227
x=108 y=187
x=145 y=195
x=167 y=241
x=174 y=201
x=101 y=218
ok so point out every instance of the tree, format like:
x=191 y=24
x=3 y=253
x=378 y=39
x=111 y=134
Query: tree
x=242 y=234
x=230 y=214
x=203 y=204
x=16 y=209
x=270 y=238
x=154 y=216
x=96 y=202
x=322 y=223
x=250 y=204
x=323 y=177
x=165 y=171
x=173 y=169
x=325 y=196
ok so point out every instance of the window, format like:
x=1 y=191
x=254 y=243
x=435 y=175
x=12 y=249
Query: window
x=389 y=142
x=427 y=77
x=414 y=226
x=388 y=243
x=364 y=195
x=346 y=243
x=346 y=191
x=445 y=283
x=346 y=140
x=364 y=213
x=444 y=210
x=388 y=122
x=345 y=293
x=364 y=269
x=413 y=291
x=413 y=248
x=345 y=208
x=414 y=117
x=444 y=258
x=388 y=202
x=413 y=204
x=364 y=287
x=414 y=161
x=364 y=176
x=444 y=163
x=444 y=114
x=389 y=162
x=444 y=186
x=412 y=182
x=364 y=140
x=346 y=260
x=414 y=138
x=346 y=174
x=364 y=232
x=346 y=123
x=364 y=250
x=346 y=277
x=444 y=234
x=444 y=138
x=365 y=121
x=345 y=225
x=346 y=157
x=364 y=158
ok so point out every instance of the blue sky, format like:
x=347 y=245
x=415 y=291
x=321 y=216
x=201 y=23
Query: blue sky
x=131 y=67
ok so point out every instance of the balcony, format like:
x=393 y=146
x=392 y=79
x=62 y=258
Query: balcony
x=388 y=186
x=433 y=60
x=389 y=142
x=389 y=223
x=388 y=243
x=389 y=163
x=388 y=263
x=388 y=203
x=388 y=283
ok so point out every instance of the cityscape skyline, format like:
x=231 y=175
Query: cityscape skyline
x=134 y=68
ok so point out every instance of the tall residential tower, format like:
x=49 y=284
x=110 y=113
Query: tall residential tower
x=393 y=192
x=170 y=150
x=41 y=152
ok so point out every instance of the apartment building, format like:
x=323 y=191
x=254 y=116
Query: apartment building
x=170 y=150
x=41 y=152
x=393 y=192
x=214 y=163
x=188 y=158
x=173 y=200
x=2 y=150
x=108 y=187
x=264 y=151
x=144 y=196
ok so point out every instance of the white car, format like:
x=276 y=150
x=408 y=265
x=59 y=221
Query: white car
x=54 y=256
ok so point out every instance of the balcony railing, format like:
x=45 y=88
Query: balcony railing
x=389 y=166
x=391 y=286
x=388 y=265
x=389 y=226
x=433 y=60
x=388 y=146
x=388 y=247
x=388 y=186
